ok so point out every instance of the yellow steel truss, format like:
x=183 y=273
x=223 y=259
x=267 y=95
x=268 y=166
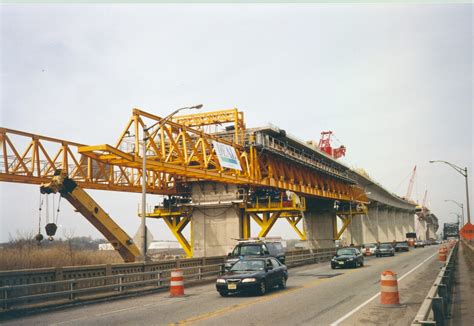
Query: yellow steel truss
x=199 y=120
x=34 y=159
x=346 y=220
x=179 y=150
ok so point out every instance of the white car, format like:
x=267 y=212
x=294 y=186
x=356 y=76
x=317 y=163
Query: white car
x=368 y=249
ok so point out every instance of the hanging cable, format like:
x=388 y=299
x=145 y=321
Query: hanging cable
x=39 y=237
x=57 y=211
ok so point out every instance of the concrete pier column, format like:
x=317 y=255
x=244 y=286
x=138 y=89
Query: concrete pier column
x=319 y=221
x=383 y=224
x=354 y=231
x=398 y=219
x=370 y=225
x=216 y=222
x=420 y=227
x=391 y=225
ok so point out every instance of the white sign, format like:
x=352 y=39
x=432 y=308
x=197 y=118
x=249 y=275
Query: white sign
x=227 y=156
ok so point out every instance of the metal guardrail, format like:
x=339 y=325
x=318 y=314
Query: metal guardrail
x=45 y=292
x=435 y=308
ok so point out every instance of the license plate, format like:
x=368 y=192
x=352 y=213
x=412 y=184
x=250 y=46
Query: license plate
x=232 y=286
x=341 y=263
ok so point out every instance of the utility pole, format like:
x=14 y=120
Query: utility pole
x=146 y=137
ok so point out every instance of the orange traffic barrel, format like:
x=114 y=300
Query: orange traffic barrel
x=177 y=283
x=389 y=289
x=442 y=252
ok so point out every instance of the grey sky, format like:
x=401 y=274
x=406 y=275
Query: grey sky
x=393 y=81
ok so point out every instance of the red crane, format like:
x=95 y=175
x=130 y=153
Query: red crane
x=325 y=145
x=410 y=184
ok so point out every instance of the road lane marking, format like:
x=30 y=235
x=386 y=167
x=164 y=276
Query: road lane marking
x=275 y=295
x=350 y=313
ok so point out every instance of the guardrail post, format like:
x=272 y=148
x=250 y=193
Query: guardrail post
x=199 y=273
x=120 y=288
x=71 y=289
x=5 y=298
x=438 y=311
x=159 y=279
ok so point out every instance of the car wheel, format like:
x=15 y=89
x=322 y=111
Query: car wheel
x=282 y=284
x=262 y=289
x=224 y=293
x=393 y=254
x=333 y=267
x=377 y=256
x=361 y=264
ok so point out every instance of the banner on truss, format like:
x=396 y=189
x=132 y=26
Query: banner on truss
x=227 y=156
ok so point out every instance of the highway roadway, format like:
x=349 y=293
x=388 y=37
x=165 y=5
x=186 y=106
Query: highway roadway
x=315 y=295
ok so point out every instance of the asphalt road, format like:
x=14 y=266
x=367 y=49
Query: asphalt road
x=315 y=295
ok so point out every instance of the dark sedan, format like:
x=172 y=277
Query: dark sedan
x=385 y=249
x=347 y=257
x=253 y=275
x=401 y=246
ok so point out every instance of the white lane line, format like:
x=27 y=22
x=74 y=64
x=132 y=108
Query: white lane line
x=68 y=321
x=115 y=311
x=350 y=313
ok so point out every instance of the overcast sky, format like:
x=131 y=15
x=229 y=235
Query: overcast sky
x=393 y=81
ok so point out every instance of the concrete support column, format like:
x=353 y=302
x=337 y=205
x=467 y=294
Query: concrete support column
x=370 y=225
x=383 y=224
x=216 y=222
x=355 y=232
x=391 y=225
x=420 y=228
x=398 y=219
x=319 y=222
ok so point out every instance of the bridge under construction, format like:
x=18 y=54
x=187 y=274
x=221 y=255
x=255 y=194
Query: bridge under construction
x=217 y=176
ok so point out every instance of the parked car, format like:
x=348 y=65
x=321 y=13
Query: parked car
x=402 y=246
x=385 y=249
x=368 y=249
x=253 y=274
x=419 y=243
x=347 y=257
x=255 y=248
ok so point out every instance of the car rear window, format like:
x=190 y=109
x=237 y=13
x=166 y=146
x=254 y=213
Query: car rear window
x=346 y=251
x=385 y=246
x=249 y=250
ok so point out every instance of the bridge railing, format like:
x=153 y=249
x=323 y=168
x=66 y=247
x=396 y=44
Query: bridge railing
x=42 y=287
x=435 y=308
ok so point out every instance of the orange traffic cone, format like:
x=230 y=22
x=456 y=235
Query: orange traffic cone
x=177 y=283
x=389 y=289
x=442 y=252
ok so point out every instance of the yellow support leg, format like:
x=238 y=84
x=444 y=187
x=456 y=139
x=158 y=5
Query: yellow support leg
x=245 y=226
x=345 y=224
x=176 y=225
x=266 y=222
x=294 y=220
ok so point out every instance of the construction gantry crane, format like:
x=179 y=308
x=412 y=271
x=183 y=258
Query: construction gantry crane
x=182 y=151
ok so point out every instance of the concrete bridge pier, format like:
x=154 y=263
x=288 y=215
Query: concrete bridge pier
x=383 y=226
x=370 y=225
x=319 y=223
x=216 y=220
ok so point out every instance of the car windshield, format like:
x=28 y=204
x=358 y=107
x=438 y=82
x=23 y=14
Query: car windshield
x=402 y=245
x=250 y=250
x=385 y=246
x=345 y=252
x=370 y=245
x=248 y=265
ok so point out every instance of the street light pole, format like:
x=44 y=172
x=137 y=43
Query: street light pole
x=144 y=173
x=463 y=172
x=461 y=206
